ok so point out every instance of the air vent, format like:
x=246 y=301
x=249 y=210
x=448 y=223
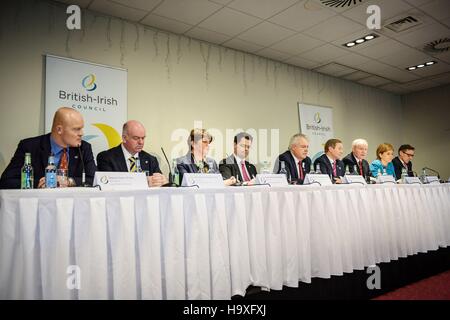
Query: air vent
x=441 y=45
x=340 y=3
x=403 y=24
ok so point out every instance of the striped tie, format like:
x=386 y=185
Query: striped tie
x=133 y=167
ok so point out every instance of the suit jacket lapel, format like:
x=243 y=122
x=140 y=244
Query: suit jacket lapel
x=45 y=150
x=293 y=166
x=119 y=159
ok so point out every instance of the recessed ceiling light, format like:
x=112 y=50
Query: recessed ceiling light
x=420 y=66
x=369 y=37
x=360 y=41
x=350 y=44
x=412 y=68
x=429 y=63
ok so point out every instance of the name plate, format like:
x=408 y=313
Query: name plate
x=353 y=179
x=320 y=179
x=203 y=180
x=120 y=180
x=412 y=180
x=386 y=179
x=273 y=179
x=431 y=180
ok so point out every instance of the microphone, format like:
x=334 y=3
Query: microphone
x=426 y=168
x=83 y=172
x=170 y=183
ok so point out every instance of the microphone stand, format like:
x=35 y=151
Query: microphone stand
x=170 y=183
x=83 y=172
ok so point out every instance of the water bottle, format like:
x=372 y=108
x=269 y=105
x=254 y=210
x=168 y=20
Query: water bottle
x=175 y=173
x=265 y=168
x=384 y=172
x=50 y=173
x=404 y=175
x=27 y=177
x=347 y=170
x=138 y=165
x=423 y=177
x=379 y=173
x=355 y=170
x=283 y=170
x=318 y=171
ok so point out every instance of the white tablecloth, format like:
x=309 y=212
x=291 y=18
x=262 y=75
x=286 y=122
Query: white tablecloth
x=189 y=243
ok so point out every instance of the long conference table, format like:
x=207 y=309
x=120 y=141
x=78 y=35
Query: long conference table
x=189 y=243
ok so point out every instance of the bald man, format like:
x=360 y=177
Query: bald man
x=65 y=137
x=123 y=157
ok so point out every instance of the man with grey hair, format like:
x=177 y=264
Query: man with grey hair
x=123 y=158
x=356 y=160
x=296 y=160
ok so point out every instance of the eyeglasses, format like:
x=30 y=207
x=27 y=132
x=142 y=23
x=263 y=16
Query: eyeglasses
x=409 y=154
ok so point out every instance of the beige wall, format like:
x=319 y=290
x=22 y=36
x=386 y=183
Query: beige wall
x=426 y=126
x=174 y=80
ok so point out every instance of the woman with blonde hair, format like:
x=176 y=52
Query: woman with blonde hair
x=383 y=163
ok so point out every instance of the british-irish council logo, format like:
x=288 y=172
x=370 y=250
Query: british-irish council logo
x=104 y=180
x=317 y=118
x=88 y=82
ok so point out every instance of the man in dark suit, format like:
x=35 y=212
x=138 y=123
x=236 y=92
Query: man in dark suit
x=356 y=160
x=296 y=160
x=237 y=165
x=64 y=140
x=124 y=157
x=403 y=161
x=330 y=162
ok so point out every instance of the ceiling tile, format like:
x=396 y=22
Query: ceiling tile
x=191 y=12
x=165 y=23
x=222 y=2
x=229 y=21
x=388 y=8
x=352 y=59
x=273 y=54
x=81 y=3
x=406 y=58
x=382 y=49
x=357 y=75
x=324 y=53
x=301 y=62
x=117 y=10
x=418 y=3
x=446 y=22
x=374 y=81
x=395 y=88
x=297 y=44
x=439 y=9
x=442 y=78
x=261 y=8
x=420 y=85
x=266 y=34
x=242 y=45
x=375 y=67
x=421 y=36
x=207 y=35
x=335 y=69
x=299 y=17
x=398 y=75
x=333 y=28
x=146 y=5
x=443 y=56
x=432 y=70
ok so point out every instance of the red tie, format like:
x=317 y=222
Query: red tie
x=300 y=169
x=244 y=171
x=334 y=169
x=360 y=168
x=63 y=162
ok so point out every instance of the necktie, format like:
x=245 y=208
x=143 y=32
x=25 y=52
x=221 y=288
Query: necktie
x=63 y=162
x=244 y=171
x=300 y=169
x=133 y=167
x=360 y=168
x=334 y=169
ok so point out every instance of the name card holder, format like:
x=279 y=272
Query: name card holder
x=412 y=180
x=203 y=180
x=120 y=180
x=431 y=180
x=320 y=179
x=354 y=179
x=272 y=179
x=386 y=179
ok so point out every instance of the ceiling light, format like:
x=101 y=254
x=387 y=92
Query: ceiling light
x=369 y=37
x=360 y=41
x=350 y=44
x=420 y=66
x=429 y=63
x=412 y=68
